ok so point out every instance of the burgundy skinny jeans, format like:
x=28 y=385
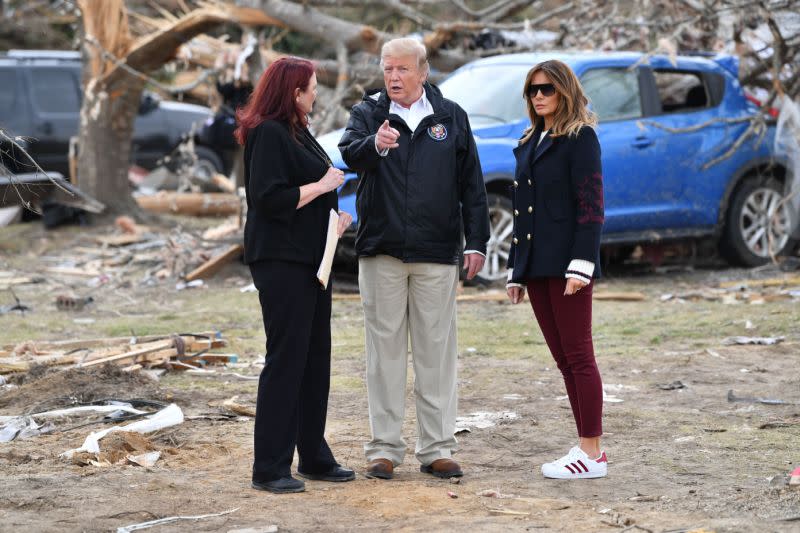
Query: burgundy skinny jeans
x=566 y=322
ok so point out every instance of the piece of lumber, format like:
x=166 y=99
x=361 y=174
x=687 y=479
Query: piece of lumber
x=224 y=183
x=619 y=296
x=770 y=282
x=133 y=354
x=7 y=368
x=197 y=342
x=120 y=240
x=69 y=271
x=232 y=404
x=215 y=264
x=191 y=203
x=6 y=283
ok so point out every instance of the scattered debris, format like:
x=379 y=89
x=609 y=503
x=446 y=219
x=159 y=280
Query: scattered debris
x=766 y=341
x=146 y=460
x=608 y=398
x=160 y=521
x=508 y=512
x=619 y=296
x=18 y=306
x=233 y=405
x=167 y=351
x=455 y=480
x=171 y=415
x=794 y=479
x=215 y=264
x=66 y=302
x=491 y=493
x=779 y=424
x=12 y=427
x=483 y=419
x=265 y=529
x=643 y=498
x=748 y=399
x=771 y=282
x=10 y=215
x=675 y=385
x=11 y=279
x=452 y=494
x=514 y=397
x=181 y=285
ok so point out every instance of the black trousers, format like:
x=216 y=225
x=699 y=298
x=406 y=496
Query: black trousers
x=293 y=388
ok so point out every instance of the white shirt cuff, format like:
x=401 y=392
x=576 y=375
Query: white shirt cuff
x=381 y=153
x=509 y=284
x=474 y=252
x=580 y=269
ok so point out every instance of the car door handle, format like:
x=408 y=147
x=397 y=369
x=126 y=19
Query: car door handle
x=642 y=142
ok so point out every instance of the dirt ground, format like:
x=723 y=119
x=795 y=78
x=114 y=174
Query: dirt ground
x=682 y=456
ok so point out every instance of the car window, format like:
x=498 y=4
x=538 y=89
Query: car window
x=54 y=90
x=8 y=93
x=613 y=93
x=680 y=90
x=490 y=94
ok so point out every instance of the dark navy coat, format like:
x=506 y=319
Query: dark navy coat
x=557 y=198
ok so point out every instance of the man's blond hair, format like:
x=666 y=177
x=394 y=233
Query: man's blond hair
x=406 y=46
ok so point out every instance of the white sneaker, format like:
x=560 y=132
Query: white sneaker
x=576 y=465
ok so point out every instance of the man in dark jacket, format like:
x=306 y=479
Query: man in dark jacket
x=420 y=184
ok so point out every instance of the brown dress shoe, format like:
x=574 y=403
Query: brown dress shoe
x=443 y=468
x=380 y=468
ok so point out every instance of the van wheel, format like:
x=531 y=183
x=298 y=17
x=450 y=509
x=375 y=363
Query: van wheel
x=758 y=223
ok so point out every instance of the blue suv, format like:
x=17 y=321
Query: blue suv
x=659 y=184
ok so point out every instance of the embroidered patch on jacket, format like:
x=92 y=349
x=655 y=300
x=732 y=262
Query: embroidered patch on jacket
x=438 y=132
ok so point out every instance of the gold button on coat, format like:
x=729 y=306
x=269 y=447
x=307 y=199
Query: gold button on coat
x=515 y=240
x=529 y=182
x=516 y=213
x=516 y=184
x=530 y=209
x=529 y=236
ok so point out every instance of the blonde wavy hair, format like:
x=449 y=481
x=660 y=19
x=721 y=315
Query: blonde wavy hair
x=571 y=113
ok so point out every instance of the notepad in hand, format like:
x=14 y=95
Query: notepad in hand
x=324 y=272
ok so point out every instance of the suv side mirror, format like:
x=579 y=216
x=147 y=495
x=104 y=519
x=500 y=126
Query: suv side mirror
x=148 y=103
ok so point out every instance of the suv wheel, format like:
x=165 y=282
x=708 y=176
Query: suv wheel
x=501 y=227
x=758 y=223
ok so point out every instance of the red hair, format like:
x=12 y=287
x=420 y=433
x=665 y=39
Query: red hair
x=273 y=98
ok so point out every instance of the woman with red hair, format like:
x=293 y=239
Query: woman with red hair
x=291 y=188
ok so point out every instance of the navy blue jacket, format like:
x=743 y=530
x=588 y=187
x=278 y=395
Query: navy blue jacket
x=413 y=202
x=557 y=198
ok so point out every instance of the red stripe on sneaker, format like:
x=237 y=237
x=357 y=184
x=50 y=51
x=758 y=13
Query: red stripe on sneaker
x=582 y=466
x=571 y=471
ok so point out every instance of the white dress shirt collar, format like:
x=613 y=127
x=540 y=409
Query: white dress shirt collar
x=414 y=114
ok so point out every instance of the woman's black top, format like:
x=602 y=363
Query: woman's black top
x=276 y=165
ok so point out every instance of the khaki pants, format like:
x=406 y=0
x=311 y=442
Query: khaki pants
x=417 y=299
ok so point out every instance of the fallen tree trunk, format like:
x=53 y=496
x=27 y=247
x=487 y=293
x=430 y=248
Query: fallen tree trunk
x=191 y=203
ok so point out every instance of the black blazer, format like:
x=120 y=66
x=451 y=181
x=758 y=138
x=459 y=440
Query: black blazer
x=276 y=165
x=557 y=198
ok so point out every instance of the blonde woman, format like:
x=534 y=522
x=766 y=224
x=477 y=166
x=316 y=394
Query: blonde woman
x=558 y=217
